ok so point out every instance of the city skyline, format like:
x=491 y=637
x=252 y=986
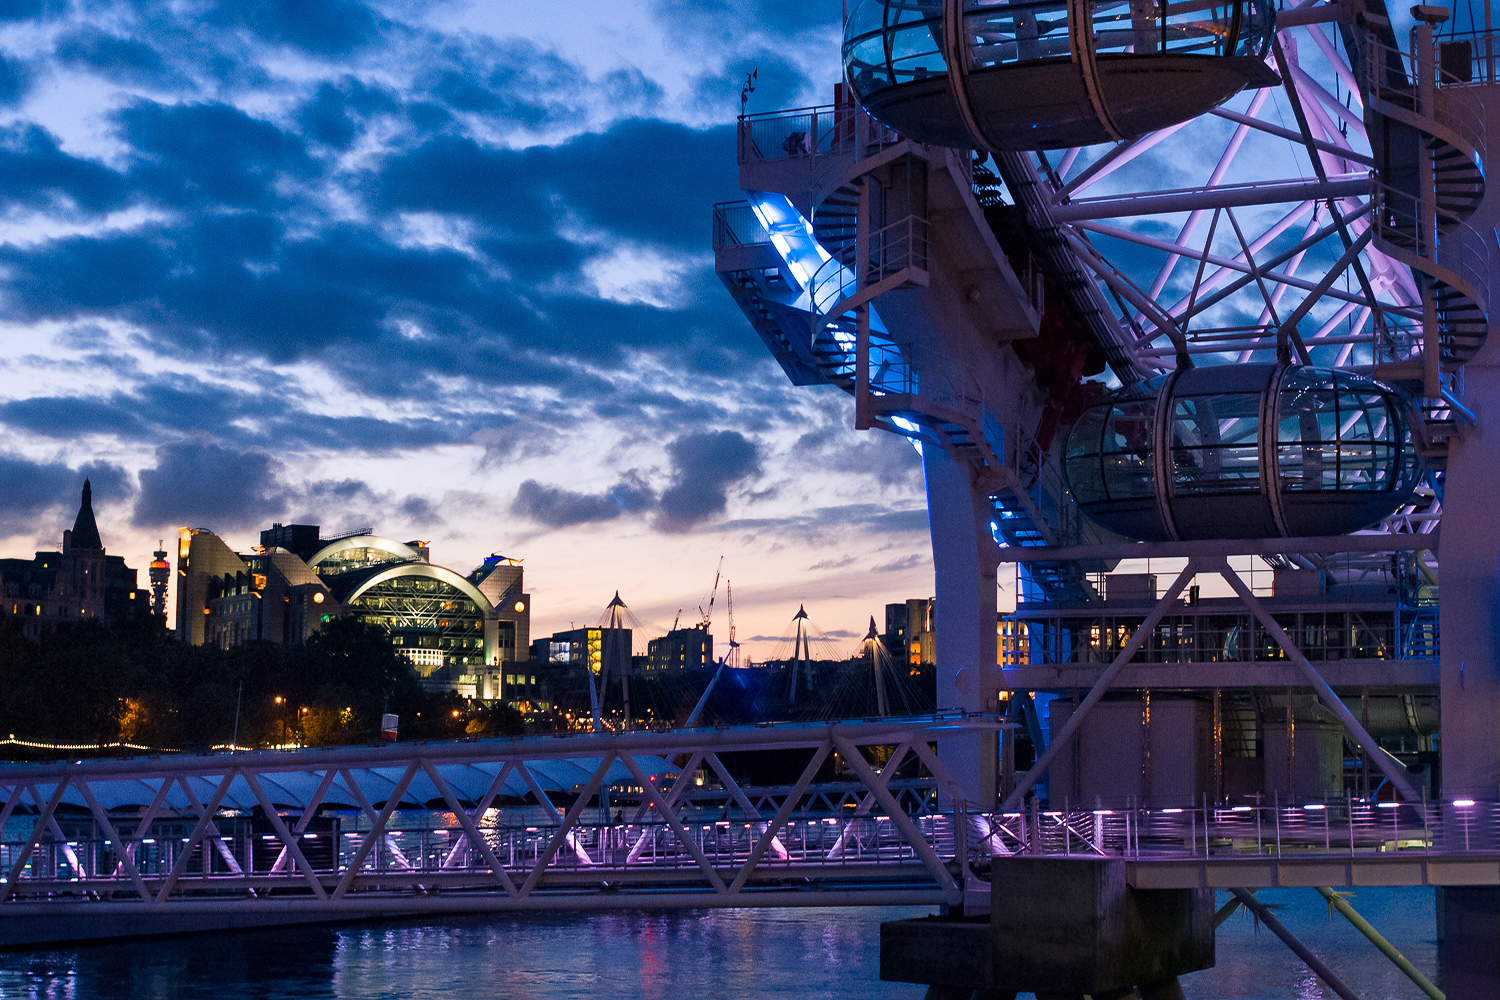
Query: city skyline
x=443 y=270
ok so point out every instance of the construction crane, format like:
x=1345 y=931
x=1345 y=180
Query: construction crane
x=711 y=595
x=734 y=647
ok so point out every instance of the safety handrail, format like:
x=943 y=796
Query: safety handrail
x=809 y=132
x=1380 y=59
x=736 y=224
x=1453 y=252
x=1208 y=832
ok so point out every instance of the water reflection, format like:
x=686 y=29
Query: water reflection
x=699 y=955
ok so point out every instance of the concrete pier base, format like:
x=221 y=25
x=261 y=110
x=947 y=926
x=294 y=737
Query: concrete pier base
x=1060 y=928
x=1468 y=920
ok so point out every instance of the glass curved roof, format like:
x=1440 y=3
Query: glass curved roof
x=360 y=552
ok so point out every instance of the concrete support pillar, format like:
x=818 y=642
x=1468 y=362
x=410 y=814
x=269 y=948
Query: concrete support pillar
x=1469 y=595
x=1469 y=555
x=965 y=617
x=1064 y=928
x=1468 y=927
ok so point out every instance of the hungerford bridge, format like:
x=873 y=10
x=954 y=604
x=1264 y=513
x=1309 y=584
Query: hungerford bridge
x=1151 y=284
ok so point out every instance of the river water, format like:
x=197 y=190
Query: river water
x=683 y=955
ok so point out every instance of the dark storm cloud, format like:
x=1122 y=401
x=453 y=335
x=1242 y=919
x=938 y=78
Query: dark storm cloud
x=704 y=467
x=905 y=562
x=238 y=282
x=15 y=80
x=198 y=482
x=726 y=18
x=35 y=172
x=339 y=108
x=31 y=491
x=511 y=79
x=126 y=60
x=556 y=507
x=67 y=418
x=648 y=180
x=328 y=27
x=26 y=10
x=184 y=406
x=196 y=154
x=420 y=510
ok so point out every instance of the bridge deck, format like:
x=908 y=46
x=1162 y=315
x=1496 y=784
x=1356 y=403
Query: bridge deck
x=106 y=848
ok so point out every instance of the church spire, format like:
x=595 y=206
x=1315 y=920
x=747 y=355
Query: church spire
x=85 y=533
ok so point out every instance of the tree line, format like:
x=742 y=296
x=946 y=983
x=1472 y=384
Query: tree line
x=134 y=682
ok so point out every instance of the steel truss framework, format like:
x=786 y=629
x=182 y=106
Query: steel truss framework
x=1280 y=231
x=446 y=827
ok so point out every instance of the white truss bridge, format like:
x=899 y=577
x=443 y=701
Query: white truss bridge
x=102 y=848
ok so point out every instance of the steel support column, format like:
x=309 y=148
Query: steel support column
x=966 y=591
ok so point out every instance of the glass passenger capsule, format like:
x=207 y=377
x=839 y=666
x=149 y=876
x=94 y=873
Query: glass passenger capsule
x=1047 y=74
x=1243 y=451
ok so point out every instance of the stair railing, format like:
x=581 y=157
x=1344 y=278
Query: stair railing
x=1381 y=62
x=1453 y=251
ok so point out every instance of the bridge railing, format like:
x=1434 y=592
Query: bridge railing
x=1348 y=828
x=600 y=812
x=827 y=843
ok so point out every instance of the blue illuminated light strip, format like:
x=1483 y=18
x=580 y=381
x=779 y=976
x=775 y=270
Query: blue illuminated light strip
x=792 y=236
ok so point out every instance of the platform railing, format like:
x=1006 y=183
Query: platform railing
x=620 y=850
x=1346 y=828
x=810 y=132
x=736 y=224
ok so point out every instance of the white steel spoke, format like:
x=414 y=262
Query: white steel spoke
x=782 y=815
x=470 y=830
x=667 y=813
x=919 y=844
x=1220 y=169
x=205 y=820
x=310 y=876
x=102 y=818
x=377 y=826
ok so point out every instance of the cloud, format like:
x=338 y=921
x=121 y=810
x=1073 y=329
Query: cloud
x=823 y=525
x=704 y=466
x=15 y=80
x=831 y=564
x=202 y=483
x=31 y=493
x=36 y=173
x=329 y=27
x=127 y=60
x=906 y=562
x=559 y=508
x=193 y=154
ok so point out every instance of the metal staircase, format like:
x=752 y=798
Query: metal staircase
x=833 y=163
x=1422 y=217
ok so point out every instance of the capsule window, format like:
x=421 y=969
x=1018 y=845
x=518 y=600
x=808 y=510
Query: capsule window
x=1216 y=443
